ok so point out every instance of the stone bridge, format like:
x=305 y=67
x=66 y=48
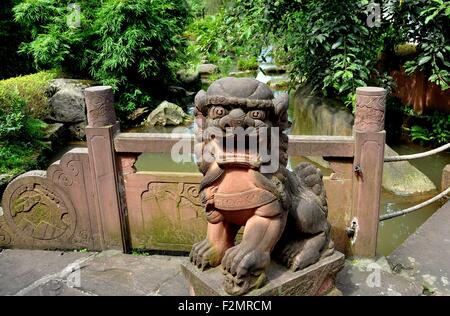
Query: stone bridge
x=94 y=198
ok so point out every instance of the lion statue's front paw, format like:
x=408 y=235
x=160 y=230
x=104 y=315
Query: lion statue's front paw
x=244 y=269
x=203 y=255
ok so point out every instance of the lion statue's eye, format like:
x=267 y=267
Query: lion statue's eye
x=217 y=112
x=257 y=115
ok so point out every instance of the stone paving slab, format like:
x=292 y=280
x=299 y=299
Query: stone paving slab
x=374 y=278
x=20 y=269
x=51 y=273
x=425 y=255
x=113 y=273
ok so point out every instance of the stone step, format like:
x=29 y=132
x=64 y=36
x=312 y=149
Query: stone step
x=425 y=256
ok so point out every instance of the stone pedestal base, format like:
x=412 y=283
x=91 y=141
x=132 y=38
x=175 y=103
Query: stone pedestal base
x=317 y=279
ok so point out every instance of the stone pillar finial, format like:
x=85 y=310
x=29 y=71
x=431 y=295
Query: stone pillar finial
x=370 y=109
x=100 y=106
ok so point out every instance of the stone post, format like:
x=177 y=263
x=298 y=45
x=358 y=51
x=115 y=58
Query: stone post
x=370 y=138
x=100 y=131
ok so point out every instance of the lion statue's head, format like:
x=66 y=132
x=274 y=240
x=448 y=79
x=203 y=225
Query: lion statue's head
x=240 y=111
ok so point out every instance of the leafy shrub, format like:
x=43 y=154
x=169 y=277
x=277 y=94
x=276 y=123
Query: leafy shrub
x=328 y=43
x=223 y=38
x=130 y=45
x=436 y=131
x=250 y=63
x=20 y=135
x=426 y=23
x=30 y=88
x=136 y=42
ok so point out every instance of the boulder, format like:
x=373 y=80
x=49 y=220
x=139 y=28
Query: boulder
x=166 y=114
x=279 y=83
x=402 y=178
x=62 y=83
x=137 y=114
x=243 y=74
x=77 y=130
x=271 y=69
x=207 y=69
x=187 y=77
x=68 y=106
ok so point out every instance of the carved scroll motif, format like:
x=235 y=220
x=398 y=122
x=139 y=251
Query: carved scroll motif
x=38 y=211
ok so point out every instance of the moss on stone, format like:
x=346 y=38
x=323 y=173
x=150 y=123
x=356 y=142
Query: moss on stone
x=32 y=88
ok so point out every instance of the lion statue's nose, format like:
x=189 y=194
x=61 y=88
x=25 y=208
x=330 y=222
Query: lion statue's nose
x=235 y=118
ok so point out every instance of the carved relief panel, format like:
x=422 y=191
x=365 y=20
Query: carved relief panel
x=164 y=210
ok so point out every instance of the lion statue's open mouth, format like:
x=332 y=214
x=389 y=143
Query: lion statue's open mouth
x=242 y=152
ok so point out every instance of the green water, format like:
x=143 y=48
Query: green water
x=394 y=231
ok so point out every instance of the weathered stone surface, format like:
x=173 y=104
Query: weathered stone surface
x=63 y=83
x=187 y=77
x=53 y=131
x=137 y=114
x=207 y=69
x=54 y=209
x=52 y=273
x=316 y=279
x=68 y=106
x=113 y=273
x=371 y=278
x=164 y=210
x=77 y=130
x=370 y=109
x=425 y=255
x=166 y=114
x=403 y=178
x=25 y=270
x=100 y=106
x=320 y=116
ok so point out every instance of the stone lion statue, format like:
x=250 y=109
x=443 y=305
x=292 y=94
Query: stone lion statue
x=283 y=212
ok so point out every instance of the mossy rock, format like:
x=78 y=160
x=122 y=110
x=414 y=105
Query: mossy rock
x=32 y=88
x=166 y=114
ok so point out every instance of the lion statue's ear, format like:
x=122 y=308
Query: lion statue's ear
x=281 y=104
x=200 y=101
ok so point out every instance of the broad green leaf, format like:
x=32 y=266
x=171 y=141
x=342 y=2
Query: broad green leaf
x=424 y=60
x=337 y=44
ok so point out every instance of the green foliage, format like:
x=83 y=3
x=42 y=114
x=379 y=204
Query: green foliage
x=136 y=42
x=325 y=43
x=54 y=44
x=11 y=35
x=436 y=131
x=222 y=39
x=130 y=45
x=20 y=134
x=329 y=45
x=427 y=23
x=250 y=63
x=30 y=88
